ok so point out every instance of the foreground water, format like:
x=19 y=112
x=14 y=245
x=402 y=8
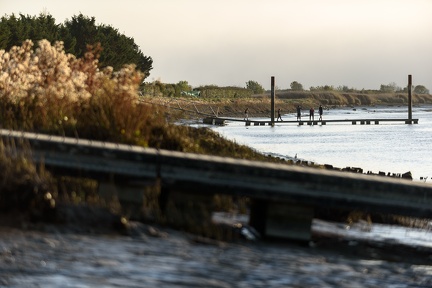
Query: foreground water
x=388 y=147
x=40 y=259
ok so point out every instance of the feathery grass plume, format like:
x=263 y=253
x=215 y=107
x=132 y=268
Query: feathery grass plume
x=47 y=90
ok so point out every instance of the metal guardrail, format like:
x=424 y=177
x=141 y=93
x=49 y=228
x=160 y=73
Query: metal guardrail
x=210 y=174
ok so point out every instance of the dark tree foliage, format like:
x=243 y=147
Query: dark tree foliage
x=83 y=30
x=76 y=34
x=14 y=30
x=296 y=86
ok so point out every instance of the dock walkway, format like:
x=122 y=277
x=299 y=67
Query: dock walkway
x=361 y=121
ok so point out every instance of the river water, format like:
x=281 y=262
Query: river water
x=50 y=259
x=360 y=255
x=388 y=147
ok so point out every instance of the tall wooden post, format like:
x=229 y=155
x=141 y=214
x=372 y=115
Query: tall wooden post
x=410 y=98
x=272 y=116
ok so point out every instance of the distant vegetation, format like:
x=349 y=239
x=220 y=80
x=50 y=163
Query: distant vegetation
x=325 y=95
x=182 y=88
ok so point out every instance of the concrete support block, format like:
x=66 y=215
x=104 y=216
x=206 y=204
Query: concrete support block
x=282 y=220
x=289 y=221
x=376 y=122
x=354 y=122
x=248 y=123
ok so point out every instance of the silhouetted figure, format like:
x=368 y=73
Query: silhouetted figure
x=320 y=110
x=279 y=115
x=246 y=116
x=311 y=114
x=298 y=113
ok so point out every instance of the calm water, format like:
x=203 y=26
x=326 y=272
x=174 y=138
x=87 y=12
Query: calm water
x=388 y=147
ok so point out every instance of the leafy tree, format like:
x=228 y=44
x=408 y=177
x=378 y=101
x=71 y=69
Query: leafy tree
x=76 y=34
x=118 y=49
x=255 y=87
x=183 y=86
x=15 y=30
x=83 y=30
x=296 y=86
x=420 y=89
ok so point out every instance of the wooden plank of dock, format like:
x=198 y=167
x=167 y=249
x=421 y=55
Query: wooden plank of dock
x=361 y=121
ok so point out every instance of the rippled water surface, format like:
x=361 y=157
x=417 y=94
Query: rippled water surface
x=37 y=259
x=389 y=147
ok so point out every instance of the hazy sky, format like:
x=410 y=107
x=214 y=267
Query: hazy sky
x=357 y=43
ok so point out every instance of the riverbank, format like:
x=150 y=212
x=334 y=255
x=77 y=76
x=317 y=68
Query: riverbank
x=259 y=105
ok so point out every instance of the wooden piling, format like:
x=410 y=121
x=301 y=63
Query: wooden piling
x=409 y=98
x=272 y=100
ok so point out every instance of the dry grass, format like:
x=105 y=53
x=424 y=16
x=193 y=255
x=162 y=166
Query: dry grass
x=48 y=91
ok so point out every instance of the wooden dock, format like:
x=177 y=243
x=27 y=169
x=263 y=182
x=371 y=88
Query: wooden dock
x=362 y=121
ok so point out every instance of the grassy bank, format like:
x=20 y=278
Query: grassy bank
x=287 y=101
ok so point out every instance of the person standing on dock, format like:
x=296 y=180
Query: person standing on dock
x=279 y=115
x=298 y=113
x=311 y=114
x=246 y=116
x=320 y=110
